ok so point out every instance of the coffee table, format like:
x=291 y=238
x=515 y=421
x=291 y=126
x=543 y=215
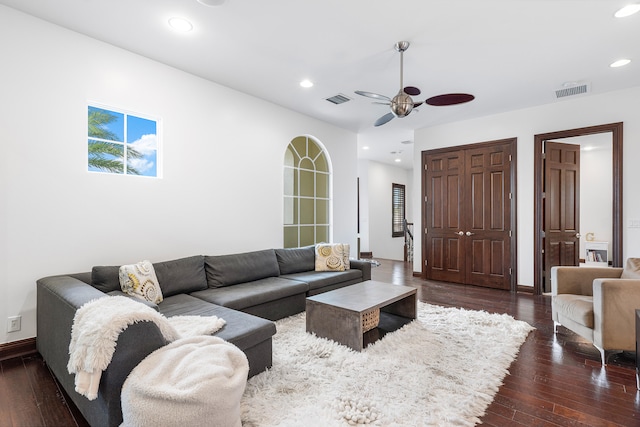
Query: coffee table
x=338 y=314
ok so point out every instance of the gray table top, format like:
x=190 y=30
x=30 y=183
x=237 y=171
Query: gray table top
x=364 y=296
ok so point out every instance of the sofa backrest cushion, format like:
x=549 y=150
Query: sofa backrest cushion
x=178 y=276
x=225 y=270
x=296 y=260
x=106 y=278
x=181 y=276
x=631 y=269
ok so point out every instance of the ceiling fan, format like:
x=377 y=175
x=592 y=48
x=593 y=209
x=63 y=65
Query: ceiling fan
x=402 y=104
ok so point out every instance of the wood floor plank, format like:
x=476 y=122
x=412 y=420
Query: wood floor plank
x=22 y=408
x=52 y=404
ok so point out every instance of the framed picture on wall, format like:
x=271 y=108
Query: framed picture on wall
x=120 y=142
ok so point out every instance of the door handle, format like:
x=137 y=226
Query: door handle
x=578 y=235
x=460 y=233
x=470 y=233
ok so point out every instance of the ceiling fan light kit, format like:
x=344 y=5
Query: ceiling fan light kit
x=402 y=104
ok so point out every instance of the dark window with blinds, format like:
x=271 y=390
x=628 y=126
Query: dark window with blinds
x=397 y=216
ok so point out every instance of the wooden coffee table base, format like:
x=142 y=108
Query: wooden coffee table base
x=337 y=315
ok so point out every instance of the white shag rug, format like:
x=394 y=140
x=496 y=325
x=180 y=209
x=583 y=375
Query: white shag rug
x=441 y=370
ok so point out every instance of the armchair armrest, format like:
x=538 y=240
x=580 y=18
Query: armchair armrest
x=614 y=305
x=579 y=280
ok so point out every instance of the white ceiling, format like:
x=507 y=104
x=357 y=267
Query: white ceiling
x=510 y=54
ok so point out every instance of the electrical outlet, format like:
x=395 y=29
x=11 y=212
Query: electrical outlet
x=14 y=324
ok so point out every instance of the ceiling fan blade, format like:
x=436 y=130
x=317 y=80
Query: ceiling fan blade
x=373 y=95
x=384 y=119
x=417 y=104
x=412 y=91
x=450 y=99
x=382 y=103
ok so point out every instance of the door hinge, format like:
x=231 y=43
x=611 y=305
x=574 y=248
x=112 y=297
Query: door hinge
x=425 y=199
x=543 y=155
x=425 y=262
x=510 y=271
x=425 y=231
x=426 y=167
x=510 y=233
x=510 y=158
x=510 y=196
x=544 y=195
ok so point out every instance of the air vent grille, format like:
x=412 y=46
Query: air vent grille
x=338 y=99
x=572 y=90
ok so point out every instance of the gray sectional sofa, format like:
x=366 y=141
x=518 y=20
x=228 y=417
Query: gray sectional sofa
x=248 y=290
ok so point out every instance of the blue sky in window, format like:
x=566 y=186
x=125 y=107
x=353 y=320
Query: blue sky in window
x=142 y=137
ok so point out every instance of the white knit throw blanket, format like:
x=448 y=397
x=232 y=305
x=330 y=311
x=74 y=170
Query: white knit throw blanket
x=98 y=323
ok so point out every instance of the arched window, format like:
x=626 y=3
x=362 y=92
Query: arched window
x=307 y=193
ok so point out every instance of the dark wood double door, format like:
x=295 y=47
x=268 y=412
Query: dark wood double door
x=468 y=212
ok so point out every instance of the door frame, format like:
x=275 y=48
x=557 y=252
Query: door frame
x=616 y=205
x=513 y=173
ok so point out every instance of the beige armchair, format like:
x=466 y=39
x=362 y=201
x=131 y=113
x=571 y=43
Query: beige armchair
x=598 y=304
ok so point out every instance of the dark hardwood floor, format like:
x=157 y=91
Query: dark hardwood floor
x=555 y=381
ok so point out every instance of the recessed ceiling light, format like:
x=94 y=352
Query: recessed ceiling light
x=620 y=63
x=628 y=10
x=365 y=148
x=306 y=83
x=180 y=24
x=212 y=2
x=397 y=160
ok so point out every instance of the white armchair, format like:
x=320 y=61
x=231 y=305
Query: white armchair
x=598 y=304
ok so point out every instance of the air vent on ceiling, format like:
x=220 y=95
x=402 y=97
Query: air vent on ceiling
x=338 y=99
x=570 y=89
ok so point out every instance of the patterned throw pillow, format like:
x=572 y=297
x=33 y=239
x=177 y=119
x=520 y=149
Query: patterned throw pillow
x=139 y=280
x=332 y=257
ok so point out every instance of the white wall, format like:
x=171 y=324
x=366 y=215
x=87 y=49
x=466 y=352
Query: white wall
x=596 y=194
x=376 y=181
x=223 y=155
x=621 y=106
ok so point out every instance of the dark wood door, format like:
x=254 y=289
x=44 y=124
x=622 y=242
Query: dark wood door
x=561 y=222
x=488 y=216
x=468 y=215
x=444 y=188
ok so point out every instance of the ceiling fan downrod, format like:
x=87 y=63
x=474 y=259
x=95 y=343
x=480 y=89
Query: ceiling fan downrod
x=401 y=104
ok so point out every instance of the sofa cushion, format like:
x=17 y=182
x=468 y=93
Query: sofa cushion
x=106 y=278
x=249 y=294
x=332 y=257
x=321 y=279
x=631 y=269
x=225 y=270
x=181 y=276
x=242 y=329
x=295 y=260
x=578 y=308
